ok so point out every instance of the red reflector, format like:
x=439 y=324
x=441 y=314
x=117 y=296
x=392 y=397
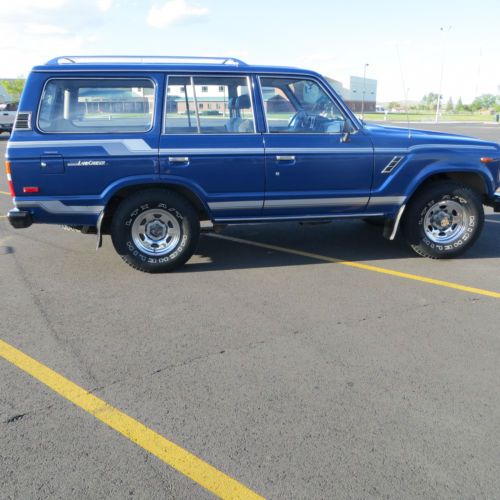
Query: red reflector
x=488 y=159
x=31 y=189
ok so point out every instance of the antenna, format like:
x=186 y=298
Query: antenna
x=405 y=92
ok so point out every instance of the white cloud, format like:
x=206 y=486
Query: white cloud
x=173 y=11
x=104 y=5
x=44 y=29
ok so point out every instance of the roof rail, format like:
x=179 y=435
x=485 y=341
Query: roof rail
x=145 y=59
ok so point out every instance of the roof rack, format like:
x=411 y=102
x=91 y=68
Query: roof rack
x=145 y=59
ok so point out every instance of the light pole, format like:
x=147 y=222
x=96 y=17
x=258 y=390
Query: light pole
x=363 y=95
x=438 y=105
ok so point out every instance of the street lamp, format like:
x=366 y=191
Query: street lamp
x=363 y=96
x=438 y=105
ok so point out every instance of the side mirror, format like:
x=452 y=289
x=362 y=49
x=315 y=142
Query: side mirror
x=346 y=132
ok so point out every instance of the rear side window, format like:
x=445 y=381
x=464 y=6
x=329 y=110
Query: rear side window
x=209 y=105
x=97 y=105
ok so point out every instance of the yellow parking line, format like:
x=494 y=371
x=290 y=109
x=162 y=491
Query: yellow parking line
x=358 y=265
x=3 y=216
x=5 y=192
x=185 y=462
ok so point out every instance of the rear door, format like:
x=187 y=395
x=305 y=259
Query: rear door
x=312 y=168
x=209 y=142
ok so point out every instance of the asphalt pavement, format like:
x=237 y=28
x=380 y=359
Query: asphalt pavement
x=298 y=375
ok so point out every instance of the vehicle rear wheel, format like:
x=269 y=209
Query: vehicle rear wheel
x=444 y=220
x=155 y=230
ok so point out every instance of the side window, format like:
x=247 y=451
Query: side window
x=297 y=105
x=209 y=105
x=97 y=105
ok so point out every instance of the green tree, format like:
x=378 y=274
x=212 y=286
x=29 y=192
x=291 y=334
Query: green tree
x=14 y=87
x=394 y=105
x=459 y=106
x=430 y=100
x=484 y=101
x=449 y=105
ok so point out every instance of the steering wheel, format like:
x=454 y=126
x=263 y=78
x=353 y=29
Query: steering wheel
x=298 y=121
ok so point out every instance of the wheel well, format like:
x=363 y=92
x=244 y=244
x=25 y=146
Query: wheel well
x=469 y=179
x=123 y=193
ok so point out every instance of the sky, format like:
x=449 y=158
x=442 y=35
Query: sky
x=405 y=44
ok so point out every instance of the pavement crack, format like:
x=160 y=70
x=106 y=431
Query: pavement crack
x=15 y=418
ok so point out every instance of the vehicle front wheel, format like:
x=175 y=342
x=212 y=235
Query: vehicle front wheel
x=155 y=230
x=444 y=220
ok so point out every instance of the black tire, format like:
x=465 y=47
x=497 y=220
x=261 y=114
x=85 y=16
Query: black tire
x=443 y=220
x=174 y=218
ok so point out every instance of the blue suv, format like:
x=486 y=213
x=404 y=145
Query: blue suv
x=144 y=148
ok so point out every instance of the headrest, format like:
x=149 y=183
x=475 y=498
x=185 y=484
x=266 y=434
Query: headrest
x=243 y=102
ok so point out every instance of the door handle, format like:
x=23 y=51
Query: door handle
x=178 y=159
x=285 y=158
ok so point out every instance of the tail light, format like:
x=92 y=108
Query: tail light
x=9 y=179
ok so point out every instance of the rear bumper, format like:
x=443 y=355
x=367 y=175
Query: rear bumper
x=19 y=218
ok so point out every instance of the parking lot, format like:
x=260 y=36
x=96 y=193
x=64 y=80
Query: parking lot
x=301 y=361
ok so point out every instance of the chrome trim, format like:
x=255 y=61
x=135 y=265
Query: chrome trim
x=196 y=110
x=396 y=222
x=285 y=158
x=114 y=147
x=396 y=160
x=141 y=60
x=99 y=233
x=387 y=200
x=153 y=117
x=299 y=217
x=236 y=205
x=57 y=207
x=27 y=119
x=315 y=202
x=178 y=159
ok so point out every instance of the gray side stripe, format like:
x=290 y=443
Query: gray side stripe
x=305 y=202
x=212 y=151
x=315 y=202
x=57 y=207
x=387 y=200
x=114 y=147
x=338 y=150
x=235 y=205
x=432 y=146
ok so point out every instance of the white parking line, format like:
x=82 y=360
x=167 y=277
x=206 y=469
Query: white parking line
x=494 y=221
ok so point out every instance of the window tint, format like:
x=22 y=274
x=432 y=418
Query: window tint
x=209 y=105
x=92 y=106
x=296 y=105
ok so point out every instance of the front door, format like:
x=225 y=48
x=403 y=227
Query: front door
x=210 y=143
x=312 y=167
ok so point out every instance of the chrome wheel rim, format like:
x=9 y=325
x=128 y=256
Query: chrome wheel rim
x=446 y=221
x=156 y=232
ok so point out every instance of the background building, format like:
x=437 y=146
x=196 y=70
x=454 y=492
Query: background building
x=353 y=96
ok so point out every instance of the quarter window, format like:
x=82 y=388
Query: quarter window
x=297 y=105
x=97 y=106
x=209 y=105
